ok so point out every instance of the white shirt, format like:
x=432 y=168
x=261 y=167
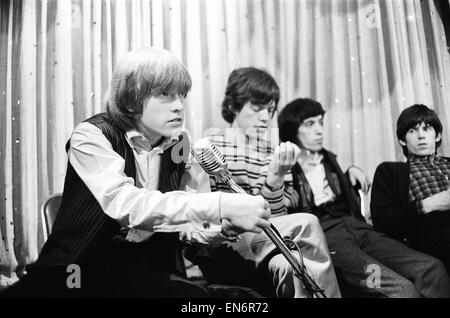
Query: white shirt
x=314 y=171
x=141 y=207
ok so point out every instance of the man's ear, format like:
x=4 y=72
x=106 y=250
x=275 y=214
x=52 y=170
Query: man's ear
x=402 y=143
x=438 y=137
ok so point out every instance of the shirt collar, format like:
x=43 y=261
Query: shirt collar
x=311 y=159
x=430 y=158
x=139 y=142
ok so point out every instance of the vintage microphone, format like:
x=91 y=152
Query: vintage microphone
x=214 y=163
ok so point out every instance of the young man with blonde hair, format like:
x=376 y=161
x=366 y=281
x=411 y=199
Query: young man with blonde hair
x=122 y=208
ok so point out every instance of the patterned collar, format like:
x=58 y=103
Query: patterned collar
x=423 y=159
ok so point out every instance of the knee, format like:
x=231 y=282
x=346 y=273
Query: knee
x=313 y=228
x=311 y=220
x=279 y=265
x=435 y=269
x=407 y=289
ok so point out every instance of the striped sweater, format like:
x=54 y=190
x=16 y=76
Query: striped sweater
x=248 y=160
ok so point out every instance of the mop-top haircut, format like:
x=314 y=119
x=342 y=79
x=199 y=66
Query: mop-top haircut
x=140 y=74
x=414 y=115
x=248 y=84
x=294 y=114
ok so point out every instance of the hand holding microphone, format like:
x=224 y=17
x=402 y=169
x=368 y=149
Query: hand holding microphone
x=244 y=213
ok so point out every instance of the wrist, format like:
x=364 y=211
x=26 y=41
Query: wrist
x=352 y=167
x=274 y=182
x=229 y=235
x=232 y=237
x=223 y=213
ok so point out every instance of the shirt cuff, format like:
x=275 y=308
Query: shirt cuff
x=269 y=192
x=275 y=200
x=229 y=236
x=212 y=239
x=204 y=212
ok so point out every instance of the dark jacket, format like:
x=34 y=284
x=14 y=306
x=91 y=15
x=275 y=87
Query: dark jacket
x=391 y=211
x=347 y=193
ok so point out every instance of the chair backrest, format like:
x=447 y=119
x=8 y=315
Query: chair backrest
x=49 y=209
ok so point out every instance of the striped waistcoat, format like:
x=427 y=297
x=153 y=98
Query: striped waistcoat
x=81 y=227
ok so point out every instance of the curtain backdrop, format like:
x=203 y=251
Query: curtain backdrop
x=364 y=60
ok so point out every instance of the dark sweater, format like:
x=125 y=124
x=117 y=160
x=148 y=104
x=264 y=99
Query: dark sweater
x=391 y=211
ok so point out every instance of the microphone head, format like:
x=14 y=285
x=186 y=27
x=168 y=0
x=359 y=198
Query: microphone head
x=209 y=157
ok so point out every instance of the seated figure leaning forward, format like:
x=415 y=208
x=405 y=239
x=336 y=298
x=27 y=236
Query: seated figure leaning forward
x=123 y=203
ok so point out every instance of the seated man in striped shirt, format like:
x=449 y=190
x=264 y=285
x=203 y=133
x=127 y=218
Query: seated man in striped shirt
x=249 y=105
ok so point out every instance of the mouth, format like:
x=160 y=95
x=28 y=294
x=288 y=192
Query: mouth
x=176 y=120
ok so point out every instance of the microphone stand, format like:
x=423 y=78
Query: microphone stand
x=310 y=285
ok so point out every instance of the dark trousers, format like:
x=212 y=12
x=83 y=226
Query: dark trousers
x=434 y=236
x=378 y=265
x=121 y=269
x=222 y=265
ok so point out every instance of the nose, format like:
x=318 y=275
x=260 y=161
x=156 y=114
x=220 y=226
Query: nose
x=421 y=133
x=177 y=104
x=264 y=115
x=318 y=129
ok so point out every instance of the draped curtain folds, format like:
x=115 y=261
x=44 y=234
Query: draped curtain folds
x=364 y=60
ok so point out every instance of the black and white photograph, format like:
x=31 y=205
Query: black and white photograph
x=224 y=154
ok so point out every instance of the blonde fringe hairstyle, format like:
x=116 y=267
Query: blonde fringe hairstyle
x=140 y=74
